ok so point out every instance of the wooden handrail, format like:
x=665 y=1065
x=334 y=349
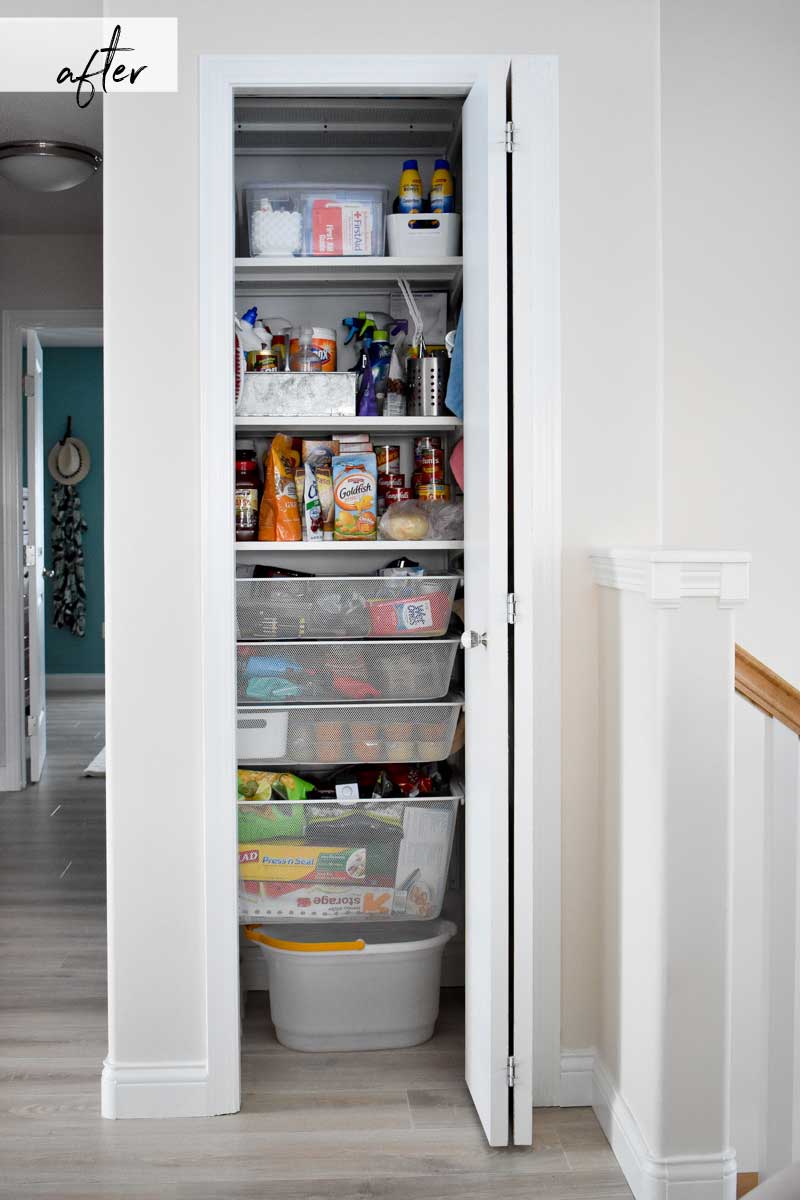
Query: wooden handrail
x=767 y=690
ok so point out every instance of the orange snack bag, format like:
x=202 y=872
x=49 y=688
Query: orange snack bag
x=279 y=515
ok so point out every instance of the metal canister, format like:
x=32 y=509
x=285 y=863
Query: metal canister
x=427 y=385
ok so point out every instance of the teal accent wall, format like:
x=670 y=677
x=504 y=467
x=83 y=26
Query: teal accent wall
x=73 y=385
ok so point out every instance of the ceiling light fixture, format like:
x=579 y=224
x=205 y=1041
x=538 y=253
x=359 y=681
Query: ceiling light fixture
x=47 y=166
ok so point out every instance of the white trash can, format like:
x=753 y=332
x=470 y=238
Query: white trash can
x=354 y=987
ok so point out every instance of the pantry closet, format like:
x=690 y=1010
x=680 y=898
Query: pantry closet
x=331 y=671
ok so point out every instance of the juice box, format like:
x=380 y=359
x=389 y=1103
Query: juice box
x=355 y=497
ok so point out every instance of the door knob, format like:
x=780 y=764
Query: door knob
x=48 y=574
x=471 y=640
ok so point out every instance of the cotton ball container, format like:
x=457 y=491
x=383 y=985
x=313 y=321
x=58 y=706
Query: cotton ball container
x=275 y=231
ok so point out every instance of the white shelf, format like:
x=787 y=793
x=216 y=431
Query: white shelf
x=332 y=547
x=297 y=425
x=432 y=272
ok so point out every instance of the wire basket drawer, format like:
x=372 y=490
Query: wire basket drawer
x=306 y=734
x=363 y=606
x=297 y=672
x=382 y=860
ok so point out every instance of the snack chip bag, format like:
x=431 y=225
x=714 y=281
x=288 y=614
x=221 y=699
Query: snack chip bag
x=355 y=497
x=279 y=516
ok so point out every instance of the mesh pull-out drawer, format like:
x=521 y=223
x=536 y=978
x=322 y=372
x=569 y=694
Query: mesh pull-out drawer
x=364 y=606
x=350 y=733
x=299 y=672
x=369 y=860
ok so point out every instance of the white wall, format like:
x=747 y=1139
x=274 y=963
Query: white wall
x=609 y=180
x=731 y=187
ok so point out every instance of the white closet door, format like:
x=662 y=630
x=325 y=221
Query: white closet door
x=35 y=456
x=486 y=504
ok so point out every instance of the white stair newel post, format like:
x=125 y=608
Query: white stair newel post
x=662 y=1079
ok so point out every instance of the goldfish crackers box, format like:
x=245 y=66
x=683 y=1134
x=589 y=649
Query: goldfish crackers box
x=355 y=495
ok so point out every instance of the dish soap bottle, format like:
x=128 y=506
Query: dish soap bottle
x=410 y=193
x=442 y=199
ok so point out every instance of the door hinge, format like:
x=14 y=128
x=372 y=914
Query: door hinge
x=509 y=137
x=30 y=726
x=30 y=556
x=511 y=608
x=30 y=387
x=512 y=1070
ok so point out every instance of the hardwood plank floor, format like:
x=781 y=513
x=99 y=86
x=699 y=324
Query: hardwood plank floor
x=390 y=1125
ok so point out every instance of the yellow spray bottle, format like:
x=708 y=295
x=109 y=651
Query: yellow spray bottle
x=442 y=200
x=410 y=193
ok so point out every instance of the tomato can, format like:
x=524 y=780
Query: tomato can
x=395 y=479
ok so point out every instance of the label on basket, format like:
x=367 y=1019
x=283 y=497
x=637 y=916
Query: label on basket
x=420 y=614
x=314 y=902
x=347 y=791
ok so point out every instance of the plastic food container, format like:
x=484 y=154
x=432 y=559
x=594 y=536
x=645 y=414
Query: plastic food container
x=423 y=235
x=377 y=990
x=365 y=860
x=315 y=219
x=292 y=672
x=317 y=734
x=359 y=606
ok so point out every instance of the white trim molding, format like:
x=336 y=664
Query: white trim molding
x=577 y=1083
x=679 y=1177
x=666 y=577
x=153 y=1090
x=75 y=683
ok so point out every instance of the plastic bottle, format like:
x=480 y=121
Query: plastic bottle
x=442 y=198
x=246 y=495
x=304 y=358
x=410 y=192
x=380 y=356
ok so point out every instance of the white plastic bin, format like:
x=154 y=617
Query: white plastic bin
x=261 y=733
x=423 y=235
x=378 y=990
x=315 y=219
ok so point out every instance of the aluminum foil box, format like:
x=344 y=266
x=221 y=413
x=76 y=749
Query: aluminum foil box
x=298 y=394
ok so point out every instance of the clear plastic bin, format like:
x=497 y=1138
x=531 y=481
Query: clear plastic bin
x=348 y=733
x=315 y=219
x=382 y=860
x=359 y=606
x=297 y=672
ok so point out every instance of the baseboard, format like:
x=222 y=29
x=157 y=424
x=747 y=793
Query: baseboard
x=577 y=1089
x=155 y=1090
x=681 y=1177
x=75 y=683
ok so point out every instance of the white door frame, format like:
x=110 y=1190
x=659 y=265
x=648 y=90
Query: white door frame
x=220 y=76
x=16 y=323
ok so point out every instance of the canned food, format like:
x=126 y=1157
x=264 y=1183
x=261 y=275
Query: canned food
x=434 y=491
x=394 y=480
x=388 y=459
x=429 y=442
x=425 y=458
x=261 y=360
x=394 y=494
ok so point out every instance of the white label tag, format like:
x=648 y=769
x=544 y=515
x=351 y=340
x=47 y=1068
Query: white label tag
x=347 y=791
